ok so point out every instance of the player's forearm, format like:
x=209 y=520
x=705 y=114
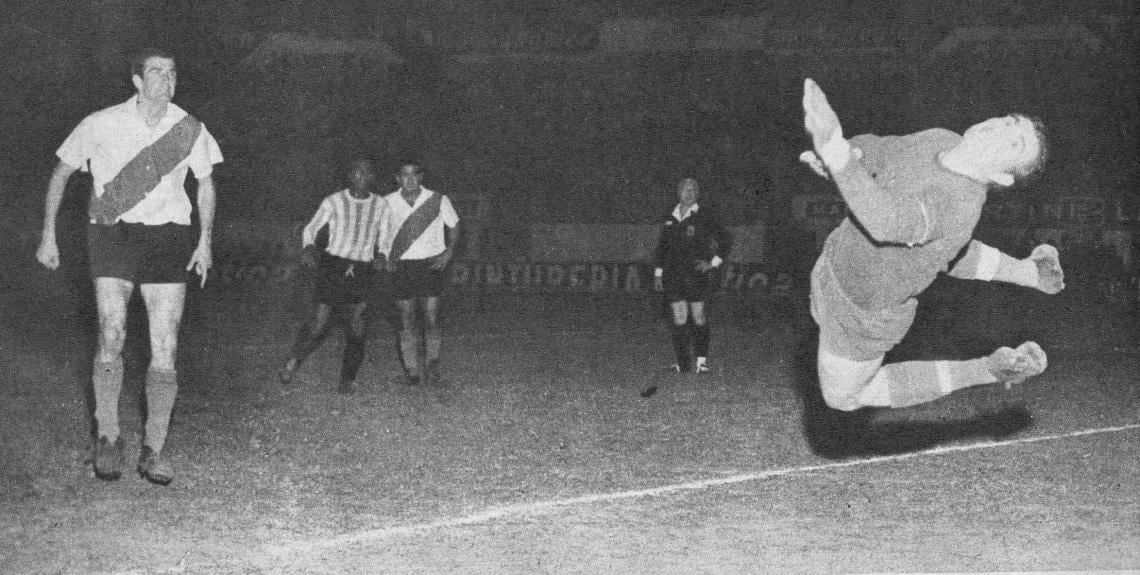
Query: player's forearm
x=311 y=229
x=724 y=242
x=451 y=238
x=207 y=202
x=384 y=244
x=54 y=197
x=51 y=210
x=382 y=232
x=659 y=252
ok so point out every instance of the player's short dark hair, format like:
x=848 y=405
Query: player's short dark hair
x=349 y=165
x=1033 y=168
x=684 y=179
x=354 y=161
x=410 y=161
x=139 y=57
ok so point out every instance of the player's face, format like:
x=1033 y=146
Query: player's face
x=158 y=80
x=409 y=177
x=362 y=176
x=688 y=191
x=1002 y=144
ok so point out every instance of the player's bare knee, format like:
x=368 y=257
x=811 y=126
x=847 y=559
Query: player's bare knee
x=111 y=340
x=356 y=328
x=698 y=317
x=357 y=325
x=162 y=356
x=840 y=390
x=680 y=311
x=697 y=313
x=840 y=399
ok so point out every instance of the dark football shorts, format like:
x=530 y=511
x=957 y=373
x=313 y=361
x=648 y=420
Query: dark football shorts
x=140 y=253
x=415 y=278
x=687 y=285
x=341 y=281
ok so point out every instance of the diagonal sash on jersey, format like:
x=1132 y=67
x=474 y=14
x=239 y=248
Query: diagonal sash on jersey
x=144 y=172
x=415 y=226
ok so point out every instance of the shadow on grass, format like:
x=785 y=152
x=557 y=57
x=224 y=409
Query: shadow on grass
x=835 y=434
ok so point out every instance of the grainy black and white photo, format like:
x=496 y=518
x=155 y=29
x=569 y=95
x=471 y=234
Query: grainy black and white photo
x=354 y=287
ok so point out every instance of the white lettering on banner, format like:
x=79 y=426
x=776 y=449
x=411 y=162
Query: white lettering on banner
x=829 y=209
x=632 y=282
x=554 y=275
x=1124 y=214
x=601 y=277
x=524 y=276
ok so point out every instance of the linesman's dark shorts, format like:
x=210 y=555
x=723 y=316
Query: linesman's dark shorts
x=687 y=285
x=415 y=278
x=341 y=281
x=140 y=253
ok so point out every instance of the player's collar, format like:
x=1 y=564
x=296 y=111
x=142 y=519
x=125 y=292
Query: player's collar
x=348 y=192
x=420 y=198
x=682 y=216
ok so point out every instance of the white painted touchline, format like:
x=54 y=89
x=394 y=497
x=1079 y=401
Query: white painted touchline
x=519 y=509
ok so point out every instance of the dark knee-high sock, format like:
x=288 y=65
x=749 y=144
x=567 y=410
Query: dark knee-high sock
x=161 y=389
x=410 y=349
x=307 y=341
x=433 y=341
x=353 y=355
x=701 y=340
x=681 y=343
x=107 y=379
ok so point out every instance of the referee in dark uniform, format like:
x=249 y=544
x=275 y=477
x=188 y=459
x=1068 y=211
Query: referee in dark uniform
x=692 y=246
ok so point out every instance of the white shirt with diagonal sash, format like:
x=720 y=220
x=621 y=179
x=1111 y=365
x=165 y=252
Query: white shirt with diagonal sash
x=431 y=243
x=107 y=140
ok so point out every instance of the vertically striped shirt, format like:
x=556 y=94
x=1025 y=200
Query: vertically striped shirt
x=354 y=225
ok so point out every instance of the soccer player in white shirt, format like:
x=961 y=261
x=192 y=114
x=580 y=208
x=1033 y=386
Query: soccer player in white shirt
x=419 y=243
x=138 y=153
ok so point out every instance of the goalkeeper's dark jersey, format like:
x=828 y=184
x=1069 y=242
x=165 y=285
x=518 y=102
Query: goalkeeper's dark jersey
x=697 y=237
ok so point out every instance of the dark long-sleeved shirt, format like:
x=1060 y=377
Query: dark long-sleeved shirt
x=698 y=237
